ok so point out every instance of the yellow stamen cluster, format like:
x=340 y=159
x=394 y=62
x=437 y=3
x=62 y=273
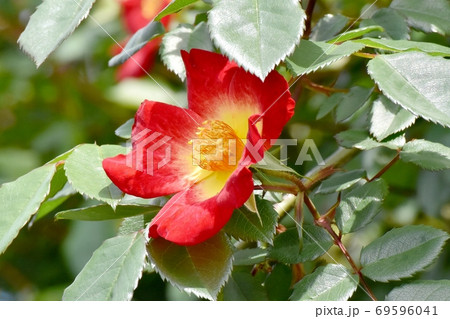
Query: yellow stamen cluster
x=217 y=147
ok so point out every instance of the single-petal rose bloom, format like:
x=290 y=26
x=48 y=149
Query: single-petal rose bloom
x=136 y=15
x=201 y=154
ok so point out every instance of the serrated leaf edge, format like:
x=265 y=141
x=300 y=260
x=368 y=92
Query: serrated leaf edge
x=260 y=75
x=370 y=72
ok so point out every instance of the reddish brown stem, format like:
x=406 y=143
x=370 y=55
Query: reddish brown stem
x=309 y=12
x=325 y=223
x=320 y=88
x=338 y=242
x=384 y=169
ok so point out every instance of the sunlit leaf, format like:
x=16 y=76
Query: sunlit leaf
x=417 y=82
x=200 y=269
x=50 y=25
x=402 y=252
x=113 y=271
x=85 y=172
x=257 y=34
x=429 y=155
x=184 y=37
x=20 y=200
x=388 y=118
x=124 y=131
x=326 y=283
x=404 y=45
x=421 y=290
x=429 y=16
x=310 y=56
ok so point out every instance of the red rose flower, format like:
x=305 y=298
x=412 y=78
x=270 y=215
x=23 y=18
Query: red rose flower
x=137 y=14
x=202 y=153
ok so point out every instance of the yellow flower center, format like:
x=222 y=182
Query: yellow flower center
x=217 y=147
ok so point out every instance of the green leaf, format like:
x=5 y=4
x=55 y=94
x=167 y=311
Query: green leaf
x=249 y=256
x=429 y=16
x=61 y=157
x=271 y=163
x=205 y=267
x=402 y=252
x=404 y=45
x=353 y=34
x=388 y=118
x=394 y=25
x=184 y=37
x=246 y=225
x=54 y=199
x=51 y=203
x=352 y=102
x=257 y=34
x=316 y=242
x=242 y=286
x=113 y=271
x=286 y=247
x=134 y=224
x=422 y=89
x=20 y=200
x=429 y=155
x=105 y=212
x=137 y=42
x=278 y=283
x=85 y=172
x=327 y=283
x=330 y=103
x=360 y=139
x=173 y=7
x=124 y=131
x=310 y=56
x=421 y=290
x=360 y=206
x=50 y=25
x=327 y=27
x=341 y=181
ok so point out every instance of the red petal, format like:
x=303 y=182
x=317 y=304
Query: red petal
x=161 y=160
x=216 y=86
x=188 y=218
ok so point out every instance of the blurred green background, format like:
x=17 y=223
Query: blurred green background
x=74 y=98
